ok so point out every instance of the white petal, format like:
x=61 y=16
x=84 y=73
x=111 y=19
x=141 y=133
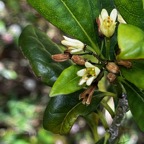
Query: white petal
x=67 y=43
x=97 y=70
x=72 y=42
x=81 y=72
x=75 y=51
x=113 y=14
x=68 y=39
x=100 y=19
x=104 y=14
x=79 y=44
x=90 y=80
x=120 y=19
x=82 y=81
x=87 y=64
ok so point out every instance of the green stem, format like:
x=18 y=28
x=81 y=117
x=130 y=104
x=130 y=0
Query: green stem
x=103 y=120
x=107 y=44
x=102 y=47
x=91 y=50
x=107 y=136
x=108 y=108
x=92 y=121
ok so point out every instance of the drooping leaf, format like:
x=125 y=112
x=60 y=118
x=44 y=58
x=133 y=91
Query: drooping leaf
x=67 y=82
x=131 y=42
x=62 y=111
x=38 y=48
x=76 y=18
x=132 y=11
x=136 y=103
x=135 y=74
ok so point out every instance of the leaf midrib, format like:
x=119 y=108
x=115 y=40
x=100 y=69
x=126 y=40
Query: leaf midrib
x=92 y=43
x=135 y=91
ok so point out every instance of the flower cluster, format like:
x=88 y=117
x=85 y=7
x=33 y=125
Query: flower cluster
x=92 y=72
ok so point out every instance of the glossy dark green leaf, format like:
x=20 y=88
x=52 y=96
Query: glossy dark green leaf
x=131 y=42
x=38 y=48
x=67 y=82
x=136 y=104
x=135 y=74
x=76 y=17
x=62 y=111
x=107 y=4
x=132 y=11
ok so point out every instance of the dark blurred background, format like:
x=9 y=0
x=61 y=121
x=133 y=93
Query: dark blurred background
x=23 y=97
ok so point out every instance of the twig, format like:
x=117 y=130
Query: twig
x=121 y=110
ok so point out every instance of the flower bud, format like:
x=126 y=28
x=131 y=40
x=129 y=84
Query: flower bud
x=60 y=57
x=124 y=63
x=112 y=67
x=111 y=77
x=78 y=60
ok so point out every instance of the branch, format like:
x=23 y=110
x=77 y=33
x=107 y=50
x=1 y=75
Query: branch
x=121 y=110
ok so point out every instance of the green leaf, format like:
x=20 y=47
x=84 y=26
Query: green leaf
x=131 y=42
x=38 y=48
x=136 y=104
x=67 y=82
x=135 y=74
x=62 y=111
x=132 y=11
x=76 y=17
x=108 y=5
x=102 y=141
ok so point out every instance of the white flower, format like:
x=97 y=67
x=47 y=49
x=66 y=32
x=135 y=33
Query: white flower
x=88 y=74
x=120 y=19
x=73 y=45
x=107 y=23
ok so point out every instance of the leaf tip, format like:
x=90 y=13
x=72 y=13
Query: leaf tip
x=52 y=94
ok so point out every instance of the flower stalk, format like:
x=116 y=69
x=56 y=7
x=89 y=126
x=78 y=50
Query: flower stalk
x=107 y=44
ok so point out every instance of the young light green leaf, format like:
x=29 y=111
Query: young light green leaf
x=38 y=48
x=68 y=16
x=135 y=74
x=62 y=111
x=131 y=42
x=131 y=11
x=67 y=82
x=136 y=103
